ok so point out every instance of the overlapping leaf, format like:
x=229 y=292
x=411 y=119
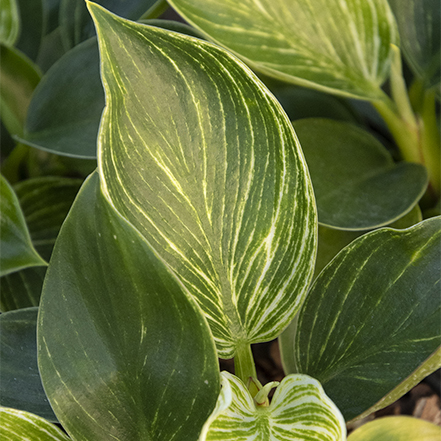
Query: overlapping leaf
x=299 y=410
x=9 y=22
x=21 y=386
x=379 y=303
x=17 y=425
x=399 y=428
x=356 y=182
x=123 y=353
x=339 y=46
x=201 y=159
x=17 y=251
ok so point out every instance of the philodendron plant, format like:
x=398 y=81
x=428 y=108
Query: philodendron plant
x=213 y=222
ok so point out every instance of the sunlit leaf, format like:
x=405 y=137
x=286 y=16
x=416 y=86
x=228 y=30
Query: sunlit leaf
x=21 y=386
x=17 y=425
x=201 y=159
x=397 y=428
x=17 y=251
x=299 y=410
x=123 y=353
x=9 y=22
x=18 y=79
x=356 y=182
x=378 y=301
x=337 y=46
x=419 y=23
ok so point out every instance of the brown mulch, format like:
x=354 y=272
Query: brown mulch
x=423 y=401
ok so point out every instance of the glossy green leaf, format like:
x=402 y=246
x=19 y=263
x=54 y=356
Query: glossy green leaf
x=331 y=241
x=65 y=110
x=200 y=158
x=378 y=301
x=45 y=203
x=9 y=22
x=21 y=386
x=299 y=410
x=18 y=79
x=17 y=425
x=17 y=251
x=356 y=183
x=21 y=289
x=123 y=353
x=338 y=46
x=419 y=23
x=397 y=428
x=77 y=24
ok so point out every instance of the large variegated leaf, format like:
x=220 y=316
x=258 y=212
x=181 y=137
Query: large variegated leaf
x=399 y=428
x=299 y=411
x=17 y=425
x=20 y=385
x=17 y=251
x=123 y=353
x=378 y=301
x=342 y=46
x=202 y=160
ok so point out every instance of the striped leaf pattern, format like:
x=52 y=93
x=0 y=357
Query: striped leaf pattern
x=342 y=46
x=201 y=159
x=299 y=410
x=378 y=299
x=17 y=425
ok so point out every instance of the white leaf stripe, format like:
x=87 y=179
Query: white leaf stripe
x=341 y=44
x=17 y=425
x=223 y=194
x=299 y=410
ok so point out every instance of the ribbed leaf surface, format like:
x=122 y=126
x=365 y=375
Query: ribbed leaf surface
x=378 y=301
x=342 y=46
x=201 y=159
x=299 y=410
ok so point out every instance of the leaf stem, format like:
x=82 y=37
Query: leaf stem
x=244 y=366
x=155 y=11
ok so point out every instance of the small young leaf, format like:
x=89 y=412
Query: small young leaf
x=17 y=425
x=199 y=156
x=17 y=251
x=9 y=22
x=122 y=352
x=340 y=46
x=356 y=183
x=378 y=301
x=397 y=428
x=21 y=386
x=299 y=410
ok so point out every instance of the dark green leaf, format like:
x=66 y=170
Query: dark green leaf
x=419 y=23
x=18 y=79
x=378 y=301
x=356 y=183
x=22 y=288
x=201 y=159
x=31 y=15
x=123 y=353
x=20 y=385
x=341 y=46
x=17 y=251
x=65 y=110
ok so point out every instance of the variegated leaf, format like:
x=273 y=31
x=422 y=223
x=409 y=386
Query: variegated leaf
x=18 y=425
x=299 y=410
x=341 y=46
x=199 y=156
